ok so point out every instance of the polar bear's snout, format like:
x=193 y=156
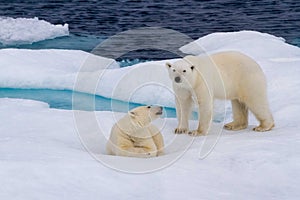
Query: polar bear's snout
x=177 y=79
x=158 y=110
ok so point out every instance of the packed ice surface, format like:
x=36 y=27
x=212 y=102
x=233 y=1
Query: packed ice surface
x=42 y=157
x=29 y=30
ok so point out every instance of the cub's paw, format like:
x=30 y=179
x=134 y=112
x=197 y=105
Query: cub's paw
x=196 y=133
x=149 y=155
x=180 y=130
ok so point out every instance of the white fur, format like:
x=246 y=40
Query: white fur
x=226 y=75
x=135 y=136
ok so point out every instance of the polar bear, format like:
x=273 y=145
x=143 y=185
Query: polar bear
x=225 y=75
x=135 y=136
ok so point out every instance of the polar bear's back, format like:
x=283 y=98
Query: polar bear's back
x=235 y=61
x=240 y=74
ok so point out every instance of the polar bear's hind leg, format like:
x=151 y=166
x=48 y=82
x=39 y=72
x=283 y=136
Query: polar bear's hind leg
x=240 y=116
x=262 y=113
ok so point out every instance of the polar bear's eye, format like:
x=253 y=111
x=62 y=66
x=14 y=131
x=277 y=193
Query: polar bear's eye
x=148 y=106
x=184 y=70
x=174 y=70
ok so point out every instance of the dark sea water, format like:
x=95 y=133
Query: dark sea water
x=92 y=21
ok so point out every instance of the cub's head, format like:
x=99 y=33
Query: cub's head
x=182 y=73
x=142 y=116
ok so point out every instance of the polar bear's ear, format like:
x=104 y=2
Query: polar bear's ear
x=168 y=65
x=132 y=114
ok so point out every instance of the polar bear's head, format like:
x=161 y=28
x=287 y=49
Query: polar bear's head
x=182 y=73
x=142 y=116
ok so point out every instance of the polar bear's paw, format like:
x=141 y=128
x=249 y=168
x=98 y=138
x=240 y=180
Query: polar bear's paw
x=180 y=130
x=196 y=133
x=235 y=126
x=261 y=128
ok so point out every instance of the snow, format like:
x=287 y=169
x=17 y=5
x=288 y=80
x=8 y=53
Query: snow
x=50 y=154
x=259 y=46
x=51 y=68
x=29 y=30
x=42 y=157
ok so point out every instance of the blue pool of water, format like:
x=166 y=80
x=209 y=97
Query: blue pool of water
x=62 y=99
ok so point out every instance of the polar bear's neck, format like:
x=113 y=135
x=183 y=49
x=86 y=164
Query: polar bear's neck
x=131 y=129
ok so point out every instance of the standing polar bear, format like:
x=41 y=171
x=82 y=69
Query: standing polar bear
x=135 y=136
x=226 y=75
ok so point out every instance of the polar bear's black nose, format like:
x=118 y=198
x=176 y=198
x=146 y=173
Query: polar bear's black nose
x=177 y=79
x=160 y=112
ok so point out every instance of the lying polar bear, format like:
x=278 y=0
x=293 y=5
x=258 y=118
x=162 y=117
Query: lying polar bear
x=135 y=136
x=226 y=75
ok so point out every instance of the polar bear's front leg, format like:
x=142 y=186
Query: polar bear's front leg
x=205 y=113
x=183 y=111
x=144 y=149
x=147 y=148
x=136 y=152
